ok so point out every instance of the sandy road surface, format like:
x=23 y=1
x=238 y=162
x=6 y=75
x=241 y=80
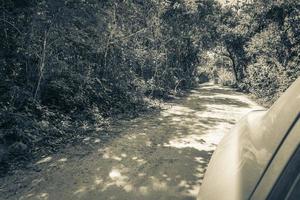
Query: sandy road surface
x=158 y=156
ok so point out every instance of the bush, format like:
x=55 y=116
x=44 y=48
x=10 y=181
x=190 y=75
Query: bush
x=226 y=78
x=271 y=71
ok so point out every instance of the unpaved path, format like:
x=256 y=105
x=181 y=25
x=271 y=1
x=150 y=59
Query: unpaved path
x=157 y=156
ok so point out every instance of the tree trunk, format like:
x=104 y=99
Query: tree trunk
x=234 y=66
x=42 y=66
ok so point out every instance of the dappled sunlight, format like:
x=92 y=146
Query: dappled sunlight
x=27 y=196
x=43 y=196
x=143 y=190
x=108 y=155
x=87 y=139
x=118 y=179
x=159 y=156
x=53 y=159
x=80 y=190
x=37 y=181
x=97 y=140
x=44 y=160
x=40 y=196
x=158 y=185
x=63 y=160
x=177 y=110
x=192 y=141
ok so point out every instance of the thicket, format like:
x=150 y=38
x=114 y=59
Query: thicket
x=260 y=43
x=67 y=66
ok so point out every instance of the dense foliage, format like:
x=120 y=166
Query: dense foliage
x=66 y=66
x=261 y=40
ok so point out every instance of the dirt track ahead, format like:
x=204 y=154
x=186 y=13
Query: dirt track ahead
x=158 y=156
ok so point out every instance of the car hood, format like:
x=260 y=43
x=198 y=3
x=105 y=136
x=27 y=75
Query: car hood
x=243 y=155
x=237 y=163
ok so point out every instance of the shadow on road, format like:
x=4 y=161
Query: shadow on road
x=159 y=156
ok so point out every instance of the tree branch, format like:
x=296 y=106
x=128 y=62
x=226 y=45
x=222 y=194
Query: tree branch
x=18 y=30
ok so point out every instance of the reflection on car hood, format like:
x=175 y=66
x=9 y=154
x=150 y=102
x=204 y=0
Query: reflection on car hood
x=243 y=155
x=237 y=163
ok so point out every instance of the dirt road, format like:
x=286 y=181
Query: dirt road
x=158 y=156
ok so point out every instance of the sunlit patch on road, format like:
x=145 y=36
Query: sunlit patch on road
x=158 y=156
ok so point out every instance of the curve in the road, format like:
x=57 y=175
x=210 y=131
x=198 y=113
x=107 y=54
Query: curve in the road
x=159 y=156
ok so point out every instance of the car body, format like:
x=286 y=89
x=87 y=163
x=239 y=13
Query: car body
x=260 y=158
